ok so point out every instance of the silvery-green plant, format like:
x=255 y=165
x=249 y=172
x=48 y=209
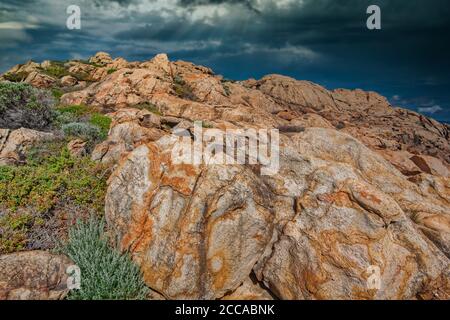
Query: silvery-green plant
x=83 y=130
x=106 y=274
x=22 y=105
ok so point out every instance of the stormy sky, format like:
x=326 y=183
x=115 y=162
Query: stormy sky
x=325 y=41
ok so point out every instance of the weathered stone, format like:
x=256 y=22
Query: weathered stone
x=40 y=80
x=249 y=291
x=195 y=232
x=77 y=148
x=101 y=58
x=68 y=81
x=33 y=275
x=15 y=143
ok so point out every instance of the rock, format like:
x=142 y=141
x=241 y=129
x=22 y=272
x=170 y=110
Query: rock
x=33 y=275
x=68 y=81
x=249 y=290
x=371 y=102
x=101 y=58
x=287 y=115
x=350 y=216
x=77 y=148
x=119 y=63
x=123 y=88
x=40 y=80
x=431 y=165
x=369 y=199
x=334 y=212
x=312 y=120
x=46 y=64
x=195 y=232
x=306 y=96
x=15 y=143
x=129 y=129
x=402 y=161
x=21 y=71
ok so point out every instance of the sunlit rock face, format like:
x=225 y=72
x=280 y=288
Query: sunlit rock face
x=359 y=208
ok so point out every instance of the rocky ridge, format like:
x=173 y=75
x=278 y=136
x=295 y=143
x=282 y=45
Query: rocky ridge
x=361 y=184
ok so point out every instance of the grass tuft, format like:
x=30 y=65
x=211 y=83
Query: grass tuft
x=106 y=274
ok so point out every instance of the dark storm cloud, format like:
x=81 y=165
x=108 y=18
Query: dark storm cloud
x=325 y=41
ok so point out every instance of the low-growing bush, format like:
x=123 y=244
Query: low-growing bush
x=51 y=178
x=13 y=232
x=106 y=274
x=37 y=199
x=56 y=70
x=83 y=130
x=101 y=121
x=57 y=93
x=21 y=105
x=76 y=109
x=183 y=89
x=82 y=122
x=15 y=77
x=112 y=70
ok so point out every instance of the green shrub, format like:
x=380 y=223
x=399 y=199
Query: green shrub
x=21 y=105
x=83 y=130
x=13 y=232
x=56 y=70
x=81 y=121
x=182 y=89
x=112 y=70
x=207 y=125
x=15 y=77
x=51 y=177
x=101 y=121
x=62 y=118
x=76 y=109
x=106 y=274
x=57 y=93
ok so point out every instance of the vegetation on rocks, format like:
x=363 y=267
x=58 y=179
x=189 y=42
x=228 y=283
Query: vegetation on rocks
x=15 y=77
x=83 y=122
x=106 y=273
x=21 y=105
x=56 y=69
x=50 y=180
x=183 y=89
x=85 y=131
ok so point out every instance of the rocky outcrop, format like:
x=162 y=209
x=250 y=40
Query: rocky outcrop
x=195 y=232
x=15 y=143
x=68 y=81
x=352 y=210
x=359 y=209
x=40 y=80
x=101 y=58
x=33 y=275
x=312 y=231
x=129 y=129
x=185 y=90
